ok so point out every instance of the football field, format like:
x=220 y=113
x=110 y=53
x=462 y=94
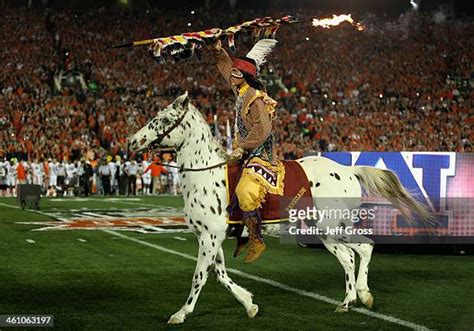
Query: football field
x=113 y=275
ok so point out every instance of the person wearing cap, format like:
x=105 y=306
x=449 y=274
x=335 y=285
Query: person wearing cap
x=253 y=141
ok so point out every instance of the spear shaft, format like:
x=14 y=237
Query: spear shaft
x=224 y=33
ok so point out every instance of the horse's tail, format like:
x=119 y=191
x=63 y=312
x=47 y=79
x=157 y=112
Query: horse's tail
x=386 y=183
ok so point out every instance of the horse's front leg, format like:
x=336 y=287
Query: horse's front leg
x=209 y=245
x=241 y=294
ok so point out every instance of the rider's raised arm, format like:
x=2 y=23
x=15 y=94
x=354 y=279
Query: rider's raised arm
x=261 y=128
x=223 y=60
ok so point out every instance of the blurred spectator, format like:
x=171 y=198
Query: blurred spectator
x=156 y=170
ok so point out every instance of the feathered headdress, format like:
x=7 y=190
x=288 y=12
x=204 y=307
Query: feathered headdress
x=258 y=53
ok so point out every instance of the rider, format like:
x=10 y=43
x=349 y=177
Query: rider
x=253 y=141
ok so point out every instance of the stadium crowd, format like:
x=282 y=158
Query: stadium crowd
x=402 y=84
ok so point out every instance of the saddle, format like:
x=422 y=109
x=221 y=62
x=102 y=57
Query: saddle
x=287 y=185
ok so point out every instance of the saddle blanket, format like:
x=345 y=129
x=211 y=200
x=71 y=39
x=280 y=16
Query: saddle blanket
x=287 y=189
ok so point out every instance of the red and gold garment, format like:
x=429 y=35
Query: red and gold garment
x=285 y=187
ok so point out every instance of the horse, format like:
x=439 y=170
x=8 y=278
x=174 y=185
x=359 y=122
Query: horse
x=202 y=162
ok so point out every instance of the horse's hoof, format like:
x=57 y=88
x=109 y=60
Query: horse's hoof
x=252 y=312
x=177 y=318
x=367 y=299
x=342 y=308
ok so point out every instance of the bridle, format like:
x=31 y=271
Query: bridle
x=162 y=136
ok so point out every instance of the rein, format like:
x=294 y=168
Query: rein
x=183 y=169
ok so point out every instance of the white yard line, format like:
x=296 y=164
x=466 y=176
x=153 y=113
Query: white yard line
x=33 y=211
x=138 y=203
x=279 y=285
x=7 y=205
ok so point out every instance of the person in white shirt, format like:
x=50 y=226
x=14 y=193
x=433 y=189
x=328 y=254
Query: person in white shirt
x=132 y=170
x=146 y=177
x=4 y=177
x=80 y=173
x=61 y=179
x=113 y=175
x=28 y=174
x=11 y=170
x=174 y=171
x=53 y=177
x=71 y=171
x=71 y=177
x=37 y=173
x=104 y=173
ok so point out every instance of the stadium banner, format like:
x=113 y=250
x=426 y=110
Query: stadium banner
x=442 y=181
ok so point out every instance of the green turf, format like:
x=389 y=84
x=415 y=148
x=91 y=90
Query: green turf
x=112 y=283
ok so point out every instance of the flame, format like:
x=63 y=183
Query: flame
x=336 y=20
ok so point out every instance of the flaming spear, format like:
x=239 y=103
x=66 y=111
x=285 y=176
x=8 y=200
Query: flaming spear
x=184 y=46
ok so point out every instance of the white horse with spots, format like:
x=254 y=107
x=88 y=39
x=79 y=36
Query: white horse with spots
x=202 y=175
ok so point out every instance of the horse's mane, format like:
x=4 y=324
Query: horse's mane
x=221 y=151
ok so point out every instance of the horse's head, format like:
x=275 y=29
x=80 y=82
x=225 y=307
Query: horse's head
x=165 y=130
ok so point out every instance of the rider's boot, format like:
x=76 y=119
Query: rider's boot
x=256 y=244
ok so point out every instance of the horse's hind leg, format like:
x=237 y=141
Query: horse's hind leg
x=345 y=256
x=208 y=248
x=364 y=249
x=242 y=295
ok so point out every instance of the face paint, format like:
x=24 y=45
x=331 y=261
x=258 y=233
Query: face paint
x=236 y=73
